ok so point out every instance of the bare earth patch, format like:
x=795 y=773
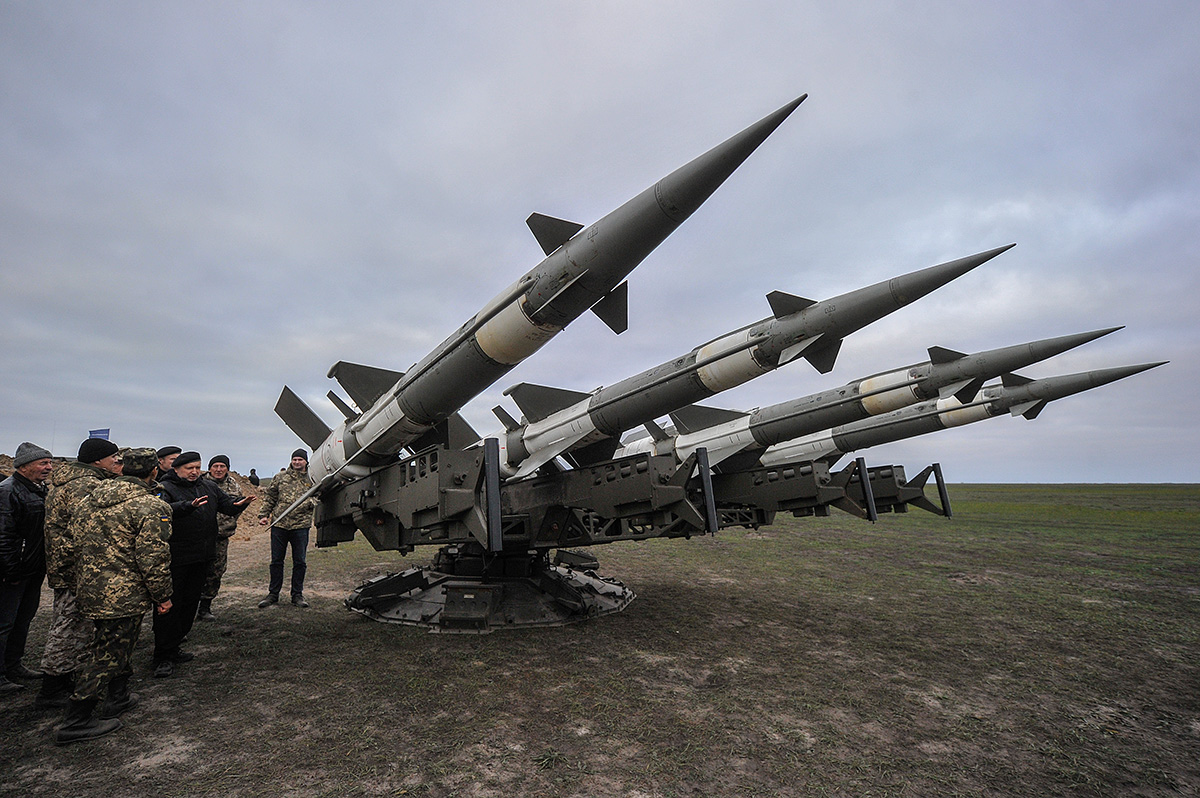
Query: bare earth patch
x=1021 y=648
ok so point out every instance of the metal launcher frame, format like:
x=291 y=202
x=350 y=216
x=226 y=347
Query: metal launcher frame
x=494 y=569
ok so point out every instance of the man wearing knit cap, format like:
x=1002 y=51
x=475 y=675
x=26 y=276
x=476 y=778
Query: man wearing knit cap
x=22 y=558
x=218 y=473
x=195 y=503
x=70 y=632
x=286 y=487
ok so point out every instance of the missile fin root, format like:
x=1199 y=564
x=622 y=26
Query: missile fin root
x=301 y=419
x=940 y=354
x=365 y=384
x=613 y=309
x=539 y=401
x=823 y=359
x=784 y=304
x=1029 y=409
x=551 y=233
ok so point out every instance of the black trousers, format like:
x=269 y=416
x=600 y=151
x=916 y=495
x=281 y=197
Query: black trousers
x=187 y=582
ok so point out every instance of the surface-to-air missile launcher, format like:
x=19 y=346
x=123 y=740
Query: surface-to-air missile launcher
x=513 y=514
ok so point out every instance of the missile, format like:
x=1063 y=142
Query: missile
x=584 y=269
x=725 y=433
x=589 y=425
x=1016 y=395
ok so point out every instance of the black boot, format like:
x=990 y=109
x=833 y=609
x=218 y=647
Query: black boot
x=79 y=724
x=204 y=611
x=55 y=692
x=119 y=698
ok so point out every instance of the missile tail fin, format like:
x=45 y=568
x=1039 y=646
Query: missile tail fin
x=345 y=409
x=551 y=233
x=1029 y=409
x=697 y=417
x=785 y=304
x=940 y=354
x=301 y=419
x=539 y=401
x=613 y=309
x=510 y=423
x=822 y=359
x=1014 y=380
x=365 y=384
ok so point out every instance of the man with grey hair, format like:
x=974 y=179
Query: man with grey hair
x=22 y=558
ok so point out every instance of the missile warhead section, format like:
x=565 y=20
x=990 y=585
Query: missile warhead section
x=1016 y=395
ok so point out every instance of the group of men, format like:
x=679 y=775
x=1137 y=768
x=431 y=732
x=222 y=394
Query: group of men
x=117 y=533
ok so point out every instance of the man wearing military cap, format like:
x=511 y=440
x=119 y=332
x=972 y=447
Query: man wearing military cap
x=22 y=558
x=123 y=568
x=166 y=457
x=70 y=634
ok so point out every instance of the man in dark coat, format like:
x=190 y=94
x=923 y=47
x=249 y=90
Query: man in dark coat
x=22 y=558
x=195 y=503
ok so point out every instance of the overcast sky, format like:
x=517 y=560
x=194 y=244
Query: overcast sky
x=202 y=202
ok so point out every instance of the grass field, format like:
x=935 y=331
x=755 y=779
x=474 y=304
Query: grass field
x=1044 y=641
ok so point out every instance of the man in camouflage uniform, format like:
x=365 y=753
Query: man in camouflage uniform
x=218 y=473
x=70 y=634
x=286 y=487
x=122 y=569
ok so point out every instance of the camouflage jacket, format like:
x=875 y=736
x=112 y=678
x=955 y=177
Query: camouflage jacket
x=226 y=524
x=69 y=486
x=287 y=486
x=123 y=561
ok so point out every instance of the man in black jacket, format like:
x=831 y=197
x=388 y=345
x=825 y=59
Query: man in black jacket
x=22 y=558
x=195 y=503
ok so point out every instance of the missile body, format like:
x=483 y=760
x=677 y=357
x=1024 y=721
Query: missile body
x=584 y=268
x=947 y=373
x=559 y=421
x=1016 y=396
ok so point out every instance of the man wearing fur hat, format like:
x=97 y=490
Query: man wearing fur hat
x=286 y=487
x=70 y=632
x=195 y=503
x=218 y=473
x=22 y=558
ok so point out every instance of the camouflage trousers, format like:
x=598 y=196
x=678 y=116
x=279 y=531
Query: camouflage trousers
x=69 y=637
x=212 y=582
x=111 y=656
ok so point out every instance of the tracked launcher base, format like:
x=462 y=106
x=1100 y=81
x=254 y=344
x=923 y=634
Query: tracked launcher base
x=493 y=569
